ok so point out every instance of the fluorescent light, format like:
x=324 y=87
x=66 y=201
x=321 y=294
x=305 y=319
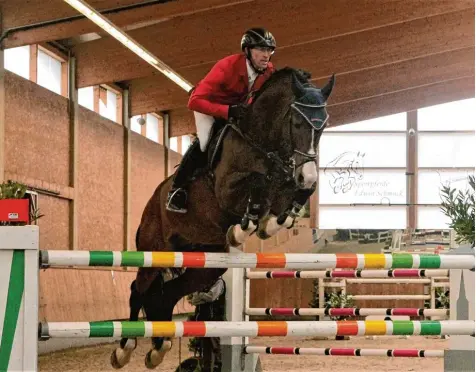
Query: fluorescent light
x=128 y=42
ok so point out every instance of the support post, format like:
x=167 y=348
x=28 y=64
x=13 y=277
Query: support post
x=2 y=111
x=237 y=300
x=166 y=141
x=412 y=168
x=460 y=356
x=321 y=295
x=127 y=170
x=74 y=154
x=19 y=298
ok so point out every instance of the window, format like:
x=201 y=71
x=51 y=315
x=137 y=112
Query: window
x=364 y=217
x=152 y=129
x=430 y=182
x=135 y=125
x=108 y=104
x=173 y=144
x=86 y=97
x=446 y=150
x=186 y=142
x=431 y=218
x=444 y=159
x=362 y=171
x=452 y=116
x=49 y=72
x=355 y=186
x=17 y=60
x=362 y=150
x=397 y=122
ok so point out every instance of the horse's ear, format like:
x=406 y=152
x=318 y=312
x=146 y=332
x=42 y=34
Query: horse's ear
x=298 y=88
x=327 y=90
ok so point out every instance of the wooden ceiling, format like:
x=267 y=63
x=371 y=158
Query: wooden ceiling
x=388 y=55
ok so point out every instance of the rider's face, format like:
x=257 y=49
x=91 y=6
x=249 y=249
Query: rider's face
x=260 y=57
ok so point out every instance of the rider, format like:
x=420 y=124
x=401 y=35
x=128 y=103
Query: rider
x=220 y=96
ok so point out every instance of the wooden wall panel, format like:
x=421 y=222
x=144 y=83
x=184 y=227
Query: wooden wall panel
x=36 y=131
x=147 y=171
x=100 y=182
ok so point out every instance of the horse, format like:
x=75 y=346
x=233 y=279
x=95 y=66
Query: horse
x=259 y=173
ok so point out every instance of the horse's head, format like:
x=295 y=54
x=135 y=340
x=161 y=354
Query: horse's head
x=289 y=115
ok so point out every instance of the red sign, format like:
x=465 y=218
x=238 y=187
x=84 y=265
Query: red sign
x=15 y=210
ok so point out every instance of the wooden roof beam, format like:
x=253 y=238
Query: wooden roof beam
x=203 y=38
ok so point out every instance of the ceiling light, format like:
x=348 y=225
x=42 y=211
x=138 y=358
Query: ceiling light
x=128 y=42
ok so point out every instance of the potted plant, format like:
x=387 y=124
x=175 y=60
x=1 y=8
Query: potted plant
x=15 y=206
x=459 y=207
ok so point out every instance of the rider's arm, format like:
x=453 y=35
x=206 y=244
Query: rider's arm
x=200 y=99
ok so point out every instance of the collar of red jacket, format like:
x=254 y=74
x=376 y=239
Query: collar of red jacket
x=243 y=71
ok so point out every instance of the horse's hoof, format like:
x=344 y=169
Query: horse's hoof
x=262 y=234
x=267 y=227
x=154 y=357
x=263 y=226
x=230 y=237
x=119 y=358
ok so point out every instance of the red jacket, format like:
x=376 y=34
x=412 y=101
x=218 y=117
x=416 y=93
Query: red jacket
x=226 y=84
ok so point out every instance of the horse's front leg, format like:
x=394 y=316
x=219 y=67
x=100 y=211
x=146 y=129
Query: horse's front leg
x=152 y=301
x=270 y=225
x=122 y=355
x=257 y=203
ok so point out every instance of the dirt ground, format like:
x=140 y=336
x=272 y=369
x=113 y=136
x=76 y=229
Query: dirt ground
x=97 y=358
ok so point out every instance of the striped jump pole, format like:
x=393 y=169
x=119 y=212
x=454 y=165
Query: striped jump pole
x=396 y=273
x=254 y=260
x=255 y=329
x=351 y=311
x=406 y=353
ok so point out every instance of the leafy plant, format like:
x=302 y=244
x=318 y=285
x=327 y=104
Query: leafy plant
x=333 y=299
x=442 y=299
x=35 y=214
x=339 y=300
x=459 y=207
x=12 y=190
x=17 y=190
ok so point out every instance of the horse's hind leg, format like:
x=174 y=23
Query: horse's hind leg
x=270 y=225
x=159 y=307
x=122 y=355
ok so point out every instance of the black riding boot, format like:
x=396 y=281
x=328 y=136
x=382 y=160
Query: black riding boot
x=177 y=196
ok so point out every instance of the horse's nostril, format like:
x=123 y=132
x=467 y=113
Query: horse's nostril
x=301 y=178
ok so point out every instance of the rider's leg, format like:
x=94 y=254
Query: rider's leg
x=204 y=124
x=177 y=197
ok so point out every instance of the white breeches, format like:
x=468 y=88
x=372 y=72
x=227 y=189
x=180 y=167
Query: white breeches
x=204 y=125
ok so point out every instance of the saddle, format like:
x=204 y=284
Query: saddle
x=215 y=146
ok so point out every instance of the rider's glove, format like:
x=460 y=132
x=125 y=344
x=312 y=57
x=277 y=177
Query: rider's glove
x=236 y=111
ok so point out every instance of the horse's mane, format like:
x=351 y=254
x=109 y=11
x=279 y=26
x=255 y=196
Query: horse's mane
x=301 y=75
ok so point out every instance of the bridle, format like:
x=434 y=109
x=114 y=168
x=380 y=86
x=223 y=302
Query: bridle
x=286 y=167
x=312 y=122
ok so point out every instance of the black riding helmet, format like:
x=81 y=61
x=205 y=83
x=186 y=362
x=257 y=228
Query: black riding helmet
x=257 y=37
